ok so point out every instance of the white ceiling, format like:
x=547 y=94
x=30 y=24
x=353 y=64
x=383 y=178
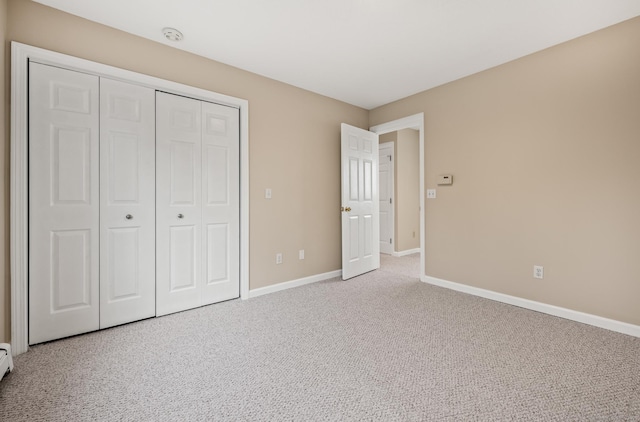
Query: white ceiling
x=364 y=52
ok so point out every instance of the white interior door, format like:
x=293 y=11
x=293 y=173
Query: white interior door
x=360 y=206
x=178 y=203
x=63 y=203
x=221 y=202
x=385 y=156
x=127 y=203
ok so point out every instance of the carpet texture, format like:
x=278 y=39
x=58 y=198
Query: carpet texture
x=382 y=346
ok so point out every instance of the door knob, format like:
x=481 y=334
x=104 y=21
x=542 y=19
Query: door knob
x=128 y=217
x=345 y=209
x=180 y=216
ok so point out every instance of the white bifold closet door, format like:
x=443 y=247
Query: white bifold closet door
x=64 y=200
x=127 y=203
x=197 y=203
x=91 y=166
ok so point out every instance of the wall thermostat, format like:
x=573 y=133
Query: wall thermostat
x=445 y=179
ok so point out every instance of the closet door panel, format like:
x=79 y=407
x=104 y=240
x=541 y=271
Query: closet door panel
x=183 y=247
x=63 y=203
x=127 y=202
x=221 y=204
x=178 y=204
x=122 y=267
x=71 y=275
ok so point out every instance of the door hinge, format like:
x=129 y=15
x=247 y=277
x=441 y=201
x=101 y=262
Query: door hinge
x=390 y=241
x=390 y=201
x=390 y=158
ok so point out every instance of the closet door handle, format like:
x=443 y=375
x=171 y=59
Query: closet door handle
x=128 y=217
x=180 y=216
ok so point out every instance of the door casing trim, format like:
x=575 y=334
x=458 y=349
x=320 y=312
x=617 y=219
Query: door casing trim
x=415 y=121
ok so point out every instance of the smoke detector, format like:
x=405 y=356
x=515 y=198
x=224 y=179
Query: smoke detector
x=172 y=34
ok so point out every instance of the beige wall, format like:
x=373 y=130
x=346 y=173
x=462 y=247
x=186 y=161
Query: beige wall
x=294 y=139
x=407 y=190
x=388 y=137
x=545 y=154
x=5 y=297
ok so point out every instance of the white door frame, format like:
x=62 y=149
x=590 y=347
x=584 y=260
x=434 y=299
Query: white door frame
x=415 y=121
x=391 y=146
x=21 y=54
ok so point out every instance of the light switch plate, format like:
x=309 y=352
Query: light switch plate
x=431 y=193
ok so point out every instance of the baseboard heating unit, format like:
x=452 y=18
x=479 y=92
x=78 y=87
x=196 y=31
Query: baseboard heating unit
x=6 y=363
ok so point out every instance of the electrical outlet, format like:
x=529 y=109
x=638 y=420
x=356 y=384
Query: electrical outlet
x=267 y=193
x=278 y=258
x=301 y=254
x=538 y=271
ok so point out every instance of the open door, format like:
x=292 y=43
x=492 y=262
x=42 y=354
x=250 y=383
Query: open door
x=360 y=207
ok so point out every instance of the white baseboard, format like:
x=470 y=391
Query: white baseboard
x=293 y=283
x=407 y=252
x=609 y=324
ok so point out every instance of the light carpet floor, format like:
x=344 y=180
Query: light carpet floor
x=379 y=347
